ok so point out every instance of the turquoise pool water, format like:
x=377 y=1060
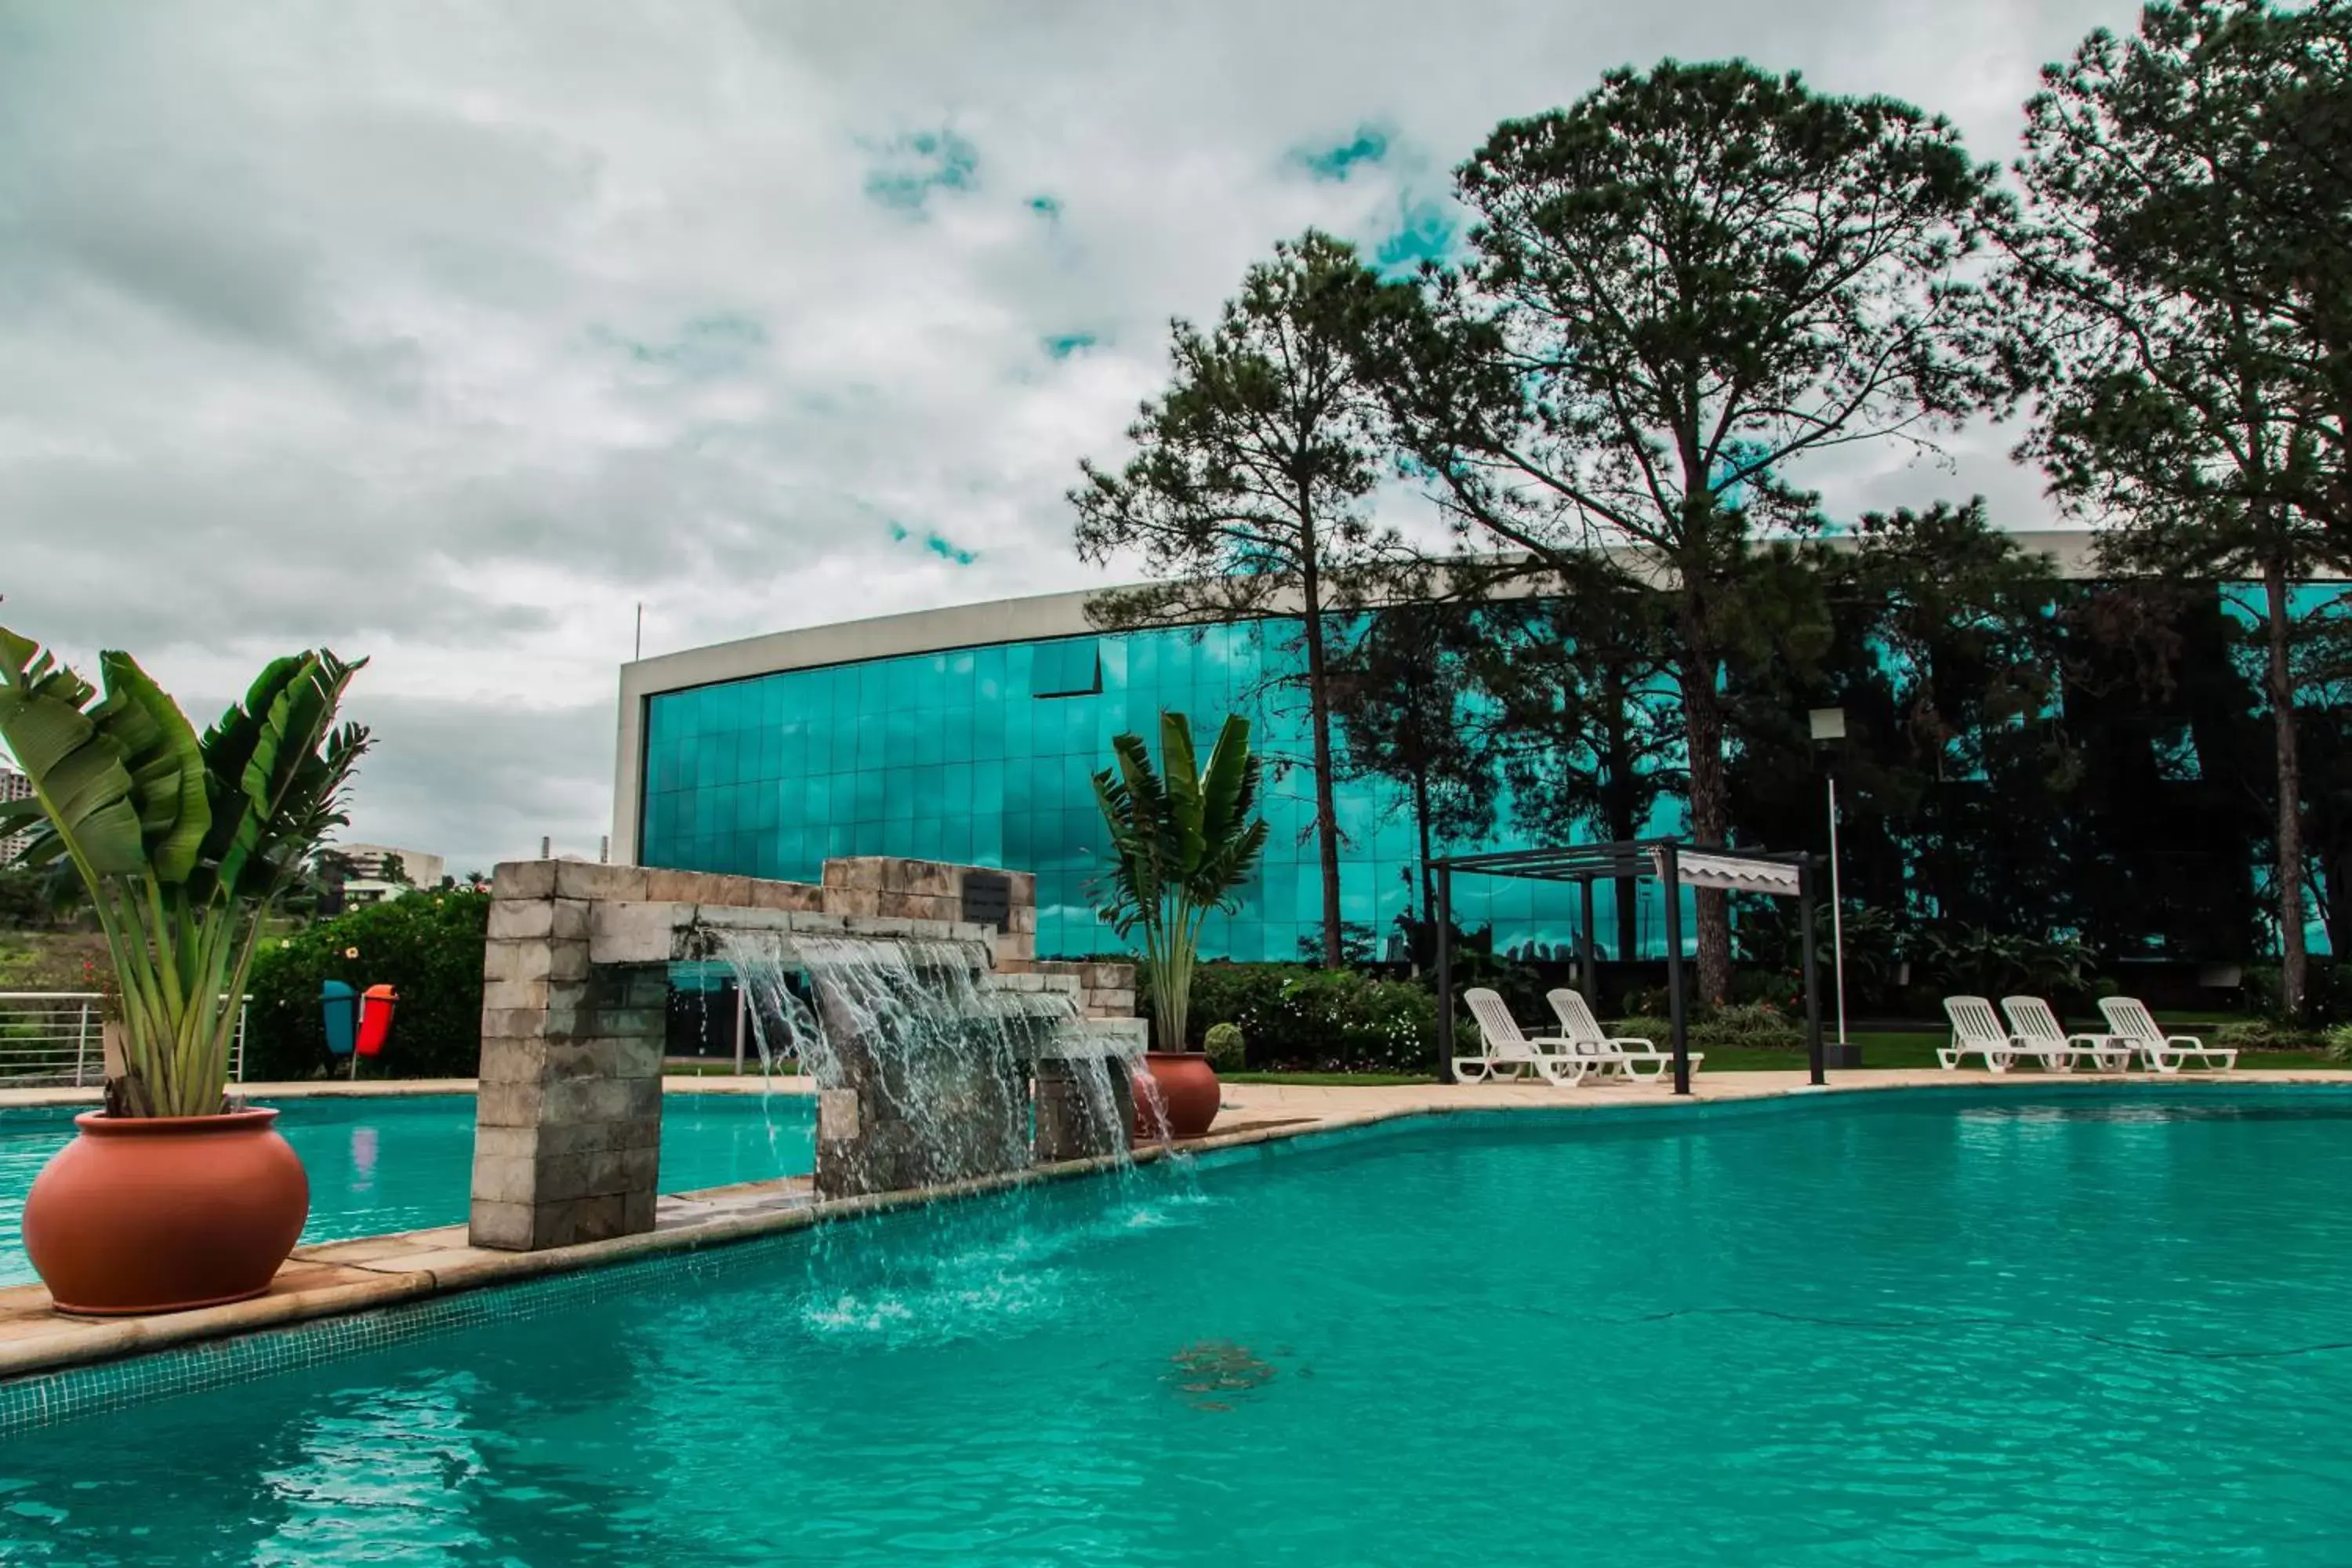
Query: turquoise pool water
x=2091 y=1329
x=382 y=1165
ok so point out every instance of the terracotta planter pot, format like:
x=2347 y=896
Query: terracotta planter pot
x=1176 y=1096
x=162 y=1213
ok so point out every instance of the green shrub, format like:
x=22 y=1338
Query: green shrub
x=2327 y=991
x=1297 y=1019
x=2269 y=1035
x=427 y=946
x=1752 y=1026
x=1741 y=1026
x=1226 y=1047
x=2339 y=1043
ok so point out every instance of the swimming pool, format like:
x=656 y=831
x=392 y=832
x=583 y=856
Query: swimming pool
x=1939 y=1328
x=385 y=1163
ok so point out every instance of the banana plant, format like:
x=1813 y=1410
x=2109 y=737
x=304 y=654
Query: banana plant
x=1182 y=846
x=185 y=844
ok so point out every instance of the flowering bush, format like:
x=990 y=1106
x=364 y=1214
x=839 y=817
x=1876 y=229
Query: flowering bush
x=1297 y=1019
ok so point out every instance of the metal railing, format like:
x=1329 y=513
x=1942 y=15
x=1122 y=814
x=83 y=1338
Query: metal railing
x=54 y=1037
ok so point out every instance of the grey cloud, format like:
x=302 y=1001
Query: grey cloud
x=449 y=334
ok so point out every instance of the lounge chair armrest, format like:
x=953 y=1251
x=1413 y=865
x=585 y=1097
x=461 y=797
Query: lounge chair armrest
x=1631 y=1040
x=2191 y=1043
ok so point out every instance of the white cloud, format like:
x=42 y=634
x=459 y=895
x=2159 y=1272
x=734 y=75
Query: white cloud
x=449 y=332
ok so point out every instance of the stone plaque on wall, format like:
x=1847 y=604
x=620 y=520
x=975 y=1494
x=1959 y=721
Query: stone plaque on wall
x=987 y=898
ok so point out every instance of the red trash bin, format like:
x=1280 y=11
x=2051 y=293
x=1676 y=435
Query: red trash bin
x=375 y=1018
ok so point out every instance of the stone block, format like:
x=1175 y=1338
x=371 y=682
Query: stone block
x=788 y=896
x=1021 y=918
x=1015 y=945
x=523 y=879
x=636 y=932
x=635 y=1026
x=665 y=885
x=508 y=1104
x=505 y=1226
x=552 y=1022
x=836 y=1114
x=507 y=1060
x=506 y=1143
x=515 y=996
x=934 y=878
x=729 y=893
x=592 y=1137
x=639 y=1166
x=584 y=879
x=862 y=873
x=637 y=1212
x=1109 y=1004
x=853 y=903
x=569 y=918
x=638 y=1056
x=520 y=920
x=507 y=1178
x=1023 y=888
x=570 y=1221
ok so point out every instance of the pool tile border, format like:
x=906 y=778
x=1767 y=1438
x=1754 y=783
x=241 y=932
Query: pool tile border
x=428 y=1285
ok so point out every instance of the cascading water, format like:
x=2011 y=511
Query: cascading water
x=923 y=1067
x=924 y=1064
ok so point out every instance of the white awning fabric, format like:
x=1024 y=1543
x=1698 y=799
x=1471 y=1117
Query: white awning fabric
x=1697 y=868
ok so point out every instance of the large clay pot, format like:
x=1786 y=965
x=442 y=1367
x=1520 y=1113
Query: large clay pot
x=162 y=1213
x=1187 y=1097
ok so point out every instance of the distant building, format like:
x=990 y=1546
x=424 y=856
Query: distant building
x=14 y=786
x=370 y=861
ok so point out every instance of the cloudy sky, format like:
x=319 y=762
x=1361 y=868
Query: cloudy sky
x=446 y=333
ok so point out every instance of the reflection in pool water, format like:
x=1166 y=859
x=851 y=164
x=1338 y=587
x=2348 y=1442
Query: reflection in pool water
x=1870 y=1331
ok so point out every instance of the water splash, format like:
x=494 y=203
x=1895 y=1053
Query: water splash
x=923 y=1058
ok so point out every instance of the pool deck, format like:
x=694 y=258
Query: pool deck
x=336 y=1279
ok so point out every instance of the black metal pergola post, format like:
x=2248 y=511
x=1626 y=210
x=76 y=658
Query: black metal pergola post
x=1444 y=916
x=1670 y=862
x=1588 y=970
x=1812 y=973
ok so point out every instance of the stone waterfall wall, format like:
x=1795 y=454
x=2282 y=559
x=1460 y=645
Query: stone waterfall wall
x=574 y=1016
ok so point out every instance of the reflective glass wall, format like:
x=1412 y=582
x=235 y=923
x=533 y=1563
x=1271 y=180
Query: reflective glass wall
x=985 y=755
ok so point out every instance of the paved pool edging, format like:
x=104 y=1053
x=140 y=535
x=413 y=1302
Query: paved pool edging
x=343 y=1298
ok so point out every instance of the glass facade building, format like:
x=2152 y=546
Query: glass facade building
x=985 y=755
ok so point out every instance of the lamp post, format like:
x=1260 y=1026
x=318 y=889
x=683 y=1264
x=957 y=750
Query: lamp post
x=1829 y=724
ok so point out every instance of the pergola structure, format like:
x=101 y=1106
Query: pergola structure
x=1676 y=863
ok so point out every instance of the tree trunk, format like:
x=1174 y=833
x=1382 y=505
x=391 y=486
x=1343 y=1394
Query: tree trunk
x=2294 y=962
x=1319 y=702
x=1710 y=815
x=1428 y=878
x=1618 y=791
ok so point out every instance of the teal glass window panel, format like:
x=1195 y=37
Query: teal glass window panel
x=1068 y=669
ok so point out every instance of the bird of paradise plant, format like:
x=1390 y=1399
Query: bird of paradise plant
x=185 y=845
x=1182 y=846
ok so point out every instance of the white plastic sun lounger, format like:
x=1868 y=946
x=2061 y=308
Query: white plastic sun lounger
x=1626 y=1056
x=2036 y=1028
x=2137 y=1026
x=1976 y=1031
x=1509 y=1053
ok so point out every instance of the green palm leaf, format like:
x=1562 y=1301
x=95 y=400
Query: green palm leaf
x=1184 y=844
